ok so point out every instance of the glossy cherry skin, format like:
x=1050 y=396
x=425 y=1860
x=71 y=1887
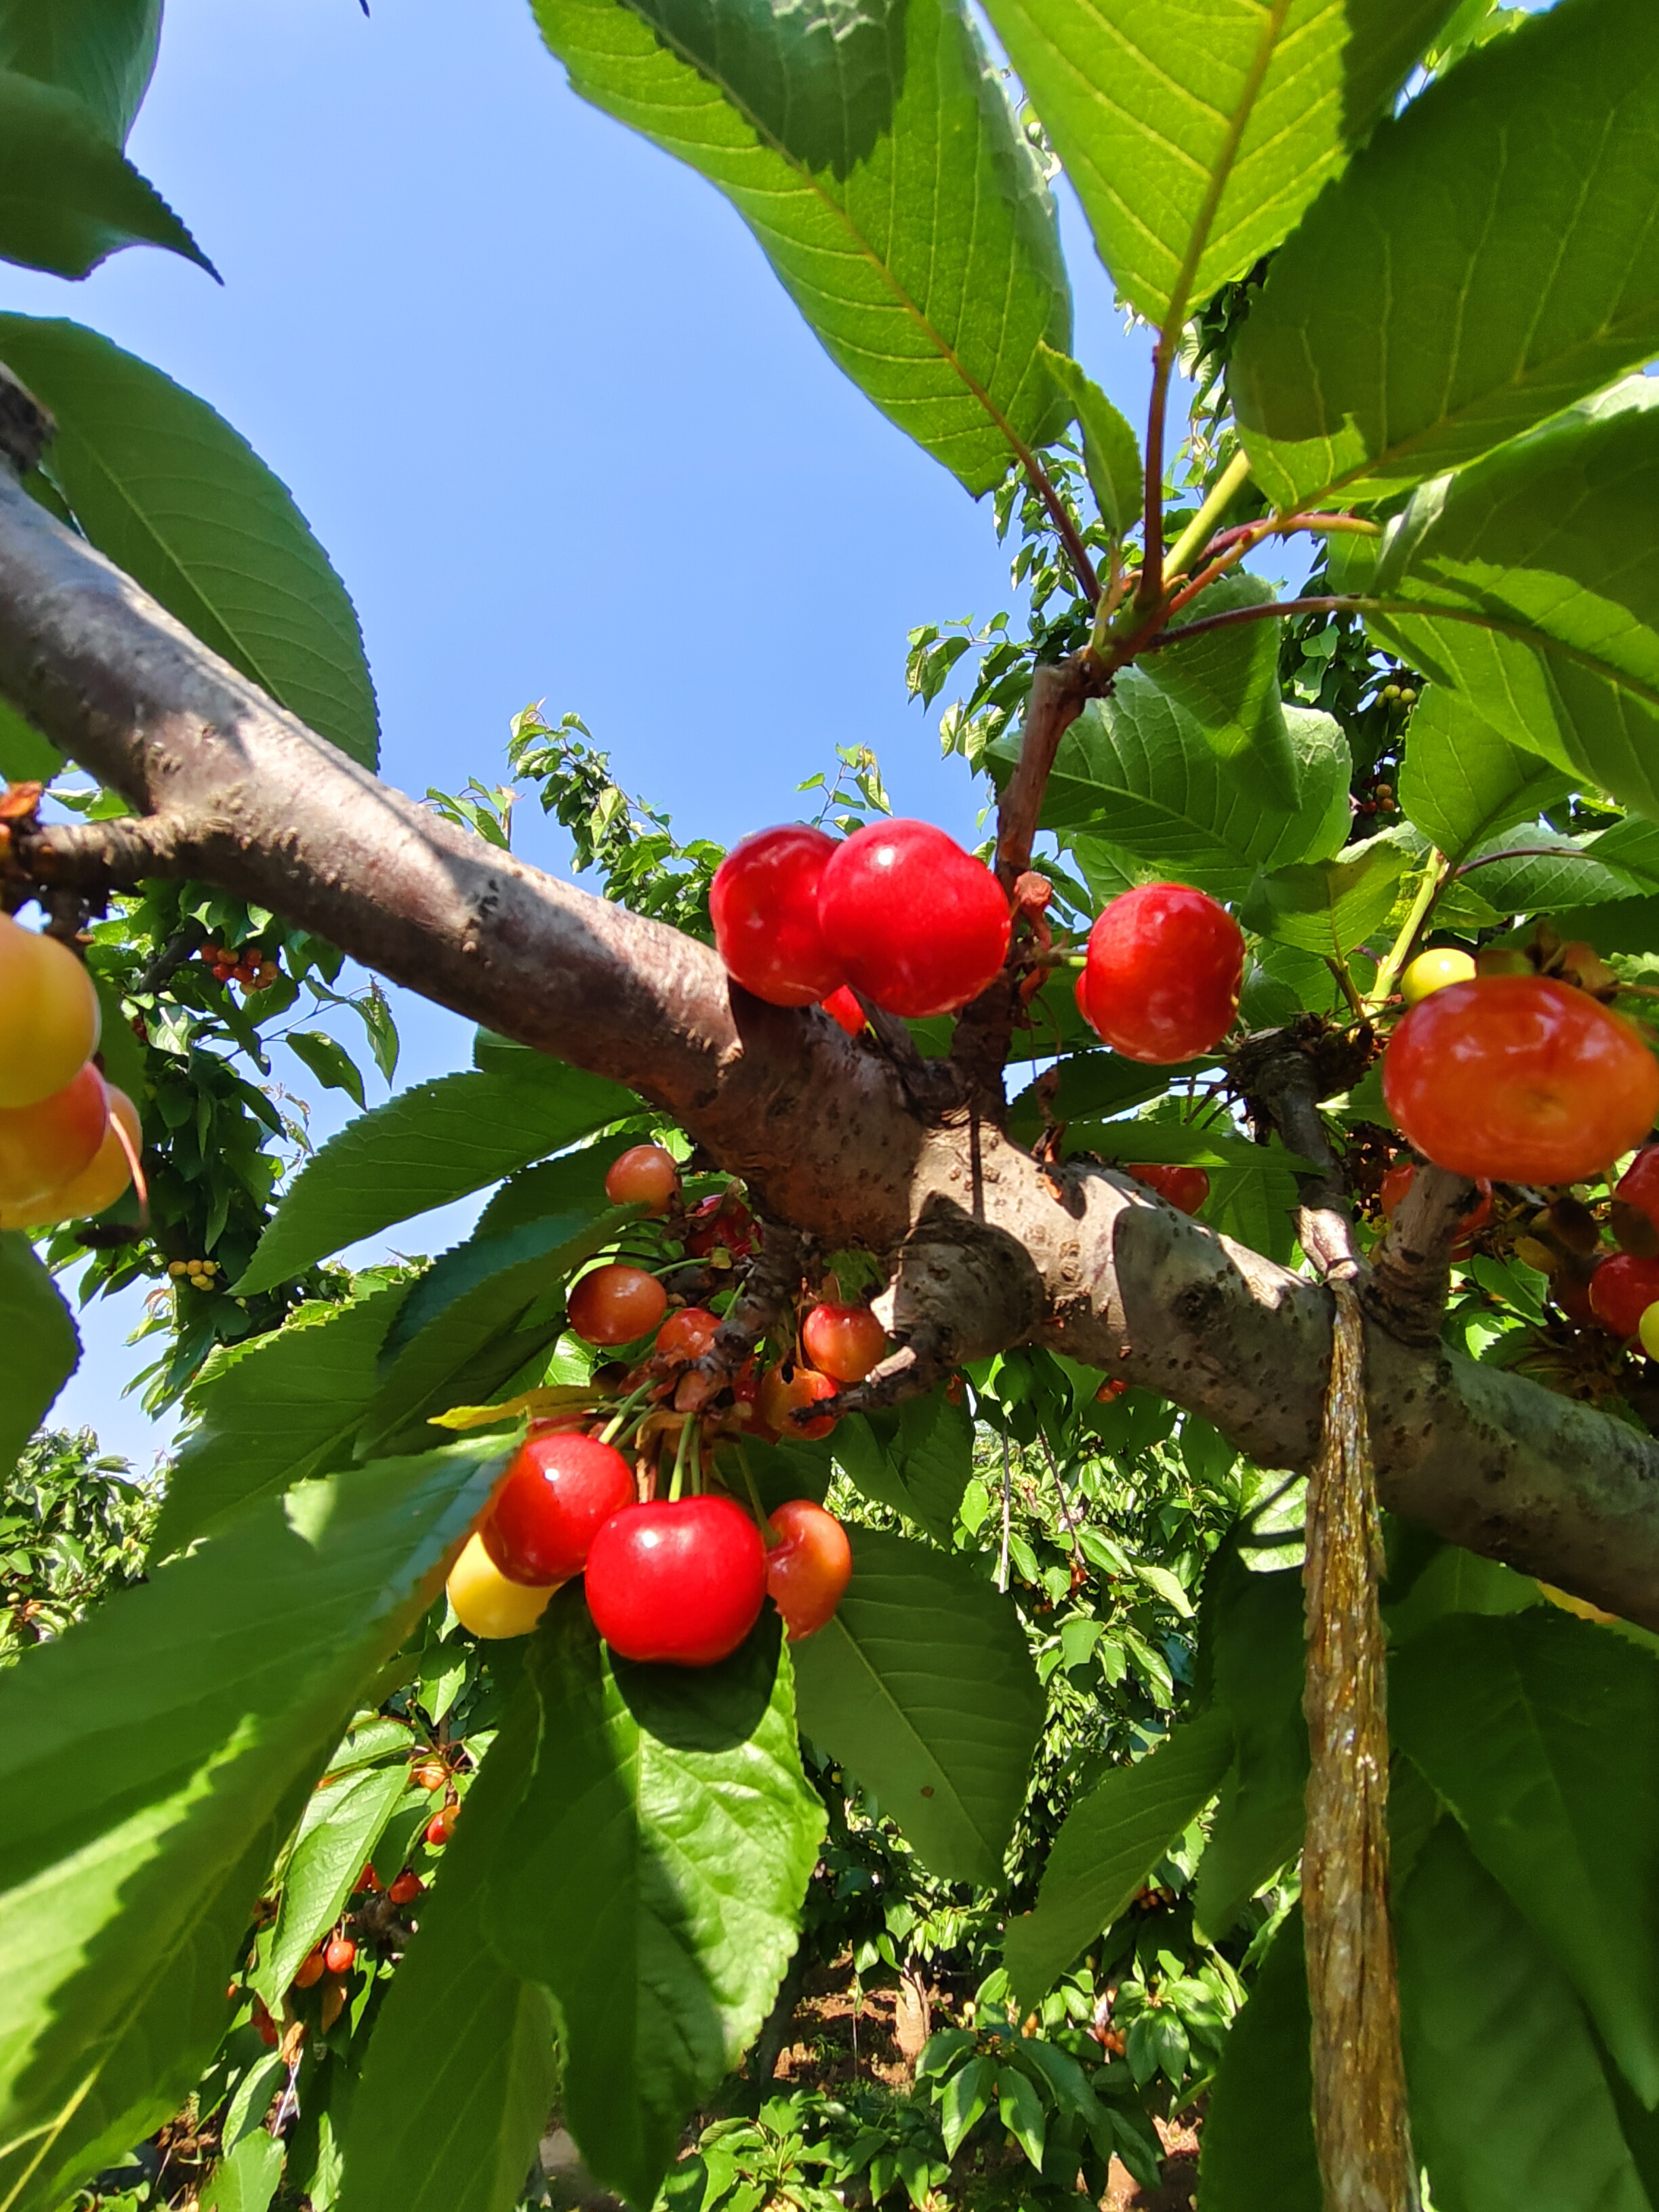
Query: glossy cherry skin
x=340 y=1955
x=786 y=1387
x=809 y=1566
x=764 y=905
x=678 y=1581
x=616 y=1303
x=1639 y=1186
x=441 y=1827
x=46 y=1145
x=97 y=1186
x=1621 y=1291
x=1433 y=970
x=487 y=1602
x=1163 y=973
x=644 y=1174
x=1519 y=1079
x=687 y=1333
x=310 y=1970
x=429 y=1774
x=1186 y=1189
x=918 y=925
x=557 y=1493
x=844 y=1010
x=48 y=1019
x=1398 y=1180
x=406 y=1888
x=843 y=1341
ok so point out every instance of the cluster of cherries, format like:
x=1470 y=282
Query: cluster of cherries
x=680 y=1578
x=68 y=1142
x=253 y=969
x=898 y=915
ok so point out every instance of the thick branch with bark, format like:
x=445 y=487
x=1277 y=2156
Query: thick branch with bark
x=988 y=1248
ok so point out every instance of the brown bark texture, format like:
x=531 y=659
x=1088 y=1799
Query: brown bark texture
x=846 y=1141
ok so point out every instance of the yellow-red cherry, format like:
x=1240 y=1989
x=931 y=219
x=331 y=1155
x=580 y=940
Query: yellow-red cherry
x=559 y=1490
x=687 y=1333
x=616 y=1303
x=486 y=1602
x=49 y=1016
x=788 y=1387
x=680 y=1581
x=1162 y=972
x=97 y=1186
x=917 y=924
x=644 y=1174
x=1519 y=1079
x=441 y=1827
x=808 y=1568
x=1621 y=1290
x=310 y=1970
x=764 y=902
x=340 y=1955
x=46 y=1145
x=1186 y=1189
x=429 y=1774
x=843 y=1341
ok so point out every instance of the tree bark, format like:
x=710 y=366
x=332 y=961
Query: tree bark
x=836 y=1137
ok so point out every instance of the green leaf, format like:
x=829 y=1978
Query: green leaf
x=341 y=1826
x=933 y=1453
x=1529 y=583
x=875 y=157
x=273 y=1411
x=476 y=1295
x=1138 y=769
x=1509 y=2104
x=668 y=1816
x=1330 y=907
x=1108 y=1843
x=964 y=2101
x=171 y=1738
x=430 y=1144
x=247 y=2181
x=1111 y=451
x=1195 y=137
x=1179 y=1144
x=1547 y=872
x=1462 y=785
x=1542 y=1735
x=1257 y=1638
x=25 y=756
x=1258 y=2153
x=1489 y=259
x=1020 y=2110
x=923 y=1686
x=178 y=499
x=329 y=1061
x=68 y=197
x=459 y=2035
x=1228 y=682
x=573 y=1184
x=43 y=1348
x=102 y=51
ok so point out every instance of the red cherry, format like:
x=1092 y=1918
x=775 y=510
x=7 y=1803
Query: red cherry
x=440 y=1827
x=367 y=1879
x=844 y=1342
x=644 y=1174
x=688 y=1334
x=785 y=1387
x=842 y=1007
x=720 y=1221
x=1400 y=1179
x=1621 y=1290
x=1639 y=1186
x=920 y=926
x=340 y=1955
x=764 y=904
x=45 y=1146
x=1186 y=1189
x=265 y=2023
x=680 y=1581
x=406 y=1888
x=1162 y=976
x=807 y=1571
x=310 y=1970
x=1113 y=1388
x=616 y=1303
x=1519 y=1079
x=1573 y=1295
x=557 y=1493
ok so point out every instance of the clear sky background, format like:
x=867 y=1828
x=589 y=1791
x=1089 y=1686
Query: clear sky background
x=538 y=392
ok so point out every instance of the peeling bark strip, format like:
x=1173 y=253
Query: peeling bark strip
x=842 y=1141
x=1361 y=2125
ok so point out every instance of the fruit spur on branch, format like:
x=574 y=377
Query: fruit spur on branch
x=640 y=1483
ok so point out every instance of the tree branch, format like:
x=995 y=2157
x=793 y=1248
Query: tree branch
x=1411 y=1269
x=1060 y=691
x=997 y=1249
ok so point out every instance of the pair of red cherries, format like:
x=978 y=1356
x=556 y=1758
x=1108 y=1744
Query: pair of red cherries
x=680 y=1580
x=899 y=913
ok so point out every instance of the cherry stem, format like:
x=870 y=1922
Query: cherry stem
x=762 y=1523
x=614 y=1427
x=1076 y=551
x=1412 y=928
x=677 y=1479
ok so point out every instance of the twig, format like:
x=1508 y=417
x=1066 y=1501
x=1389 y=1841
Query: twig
x=1060 y=691
x=1150 y=592
x=1067 y=531
x=1327 y=603
x=1280 y=1075
x=1060 y=1492
x=1399 y=952
x=1217 y=501
x=1007 y=1491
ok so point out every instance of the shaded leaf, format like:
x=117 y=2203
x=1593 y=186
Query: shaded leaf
x=102 y=51
x=1256 y=1640
x=1257 y=2152
x=1111 y=451
x=1109 y=1844
x=43 y=1348
x=1489 y=257
x=923 y=1686
x=329 y=1061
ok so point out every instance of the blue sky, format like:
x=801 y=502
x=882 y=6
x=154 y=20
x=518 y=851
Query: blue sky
x=538 y=392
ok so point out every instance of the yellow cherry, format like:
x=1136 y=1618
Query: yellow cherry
x=95 y=1187
x=487 y=1602
x=1647 y=1329
x=48 y=1015
x=1433 y=970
